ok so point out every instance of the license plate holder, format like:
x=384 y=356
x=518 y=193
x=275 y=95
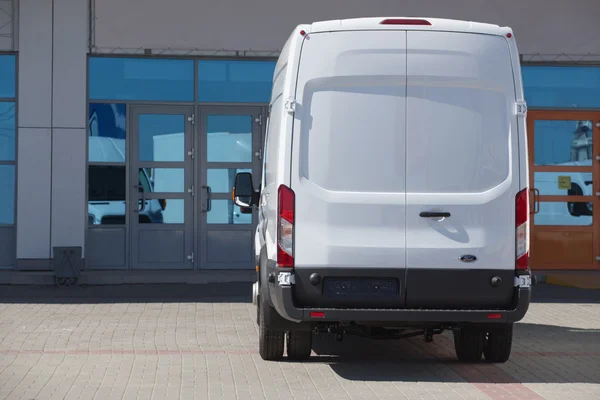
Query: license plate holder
x=356 y=287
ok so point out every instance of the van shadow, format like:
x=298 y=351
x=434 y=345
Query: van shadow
x=541 y=354
x=159 y=293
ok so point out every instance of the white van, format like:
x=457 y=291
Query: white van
x=394 y=199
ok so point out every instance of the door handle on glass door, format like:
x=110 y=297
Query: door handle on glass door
x=536 y=200
x=143 y=199
x=208 y=198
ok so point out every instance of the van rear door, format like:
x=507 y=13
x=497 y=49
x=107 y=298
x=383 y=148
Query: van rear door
x=462 y=162
x=348 y=169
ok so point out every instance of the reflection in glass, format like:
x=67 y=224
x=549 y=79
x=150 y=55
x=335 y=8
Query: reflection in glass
x=555 y=183
x=161 y=137
x=162 y=180
x=222 y=180
x=107 y=125
x=169 y=211
x=8 y=76
x=563 y=142
x=562 y=86
x=225 y=212
x=235 y=81
x=7 y=131
x=141 y=79
x=564 y=214
x=106 y=195
x=7 y=194
x=229 y=138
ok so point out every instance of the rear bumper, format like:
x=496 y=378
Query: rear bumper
x=282 y=299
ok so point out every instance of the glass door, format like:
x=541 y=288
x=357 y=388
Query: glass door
x=161 y=187
x=565 y=185
x=229 y=142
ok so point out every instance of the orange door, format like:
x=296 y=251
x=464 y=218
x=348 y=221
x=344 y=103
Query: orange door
x=565 y=180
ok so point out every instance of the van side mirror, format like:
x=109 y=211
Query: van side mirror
x=243 y=193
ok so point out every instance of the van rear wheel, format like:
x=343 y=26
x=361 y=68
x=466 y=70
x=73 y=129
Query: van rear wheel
x=469 y=343
x=499 y=344
x=299 y=345
x=270 y=342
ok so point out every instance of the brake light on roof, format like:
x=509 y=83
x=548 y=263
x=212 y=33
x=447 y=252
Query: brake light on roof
x=404 y=21
x=522 y=222
x=285 y=227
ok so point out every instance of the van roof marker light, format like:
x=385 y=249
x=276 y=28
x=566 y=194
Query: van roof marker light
x=404 y=21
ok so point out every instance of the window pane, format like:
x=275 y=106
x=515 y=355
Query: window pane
x=141 y=79
x=162 y=180
x=235 y=81
x=562 y=87
x=563 y=142
x=555 y=183
x=170 y=211
x=222 y=180
x=7 y=131
x=7 y=76
x=107 y=132
x=225 y=212
x=229 y=138
x=161 y=137
x=564 y=214
x=106 y=195
x=7 y=194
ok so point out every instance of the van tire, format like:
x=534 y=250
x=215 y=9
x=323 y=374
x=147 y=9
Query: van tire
x=270 y=342
x=469 y=343
x=299 y=345
x=499 y=344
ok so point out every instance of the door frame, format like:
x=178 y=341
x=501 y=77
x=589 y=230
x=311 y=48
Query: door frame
x=557 y=230
x=133 y=166
x=201 y=167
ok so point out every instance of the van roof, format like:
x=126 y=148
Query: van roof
x=436 y=24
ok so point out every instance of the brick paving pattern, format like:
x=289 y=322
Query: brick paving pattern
x=199 y=347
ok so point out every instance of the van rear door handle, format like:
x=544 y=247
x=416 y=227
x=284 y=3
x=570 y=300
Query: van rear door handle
x=434 y=214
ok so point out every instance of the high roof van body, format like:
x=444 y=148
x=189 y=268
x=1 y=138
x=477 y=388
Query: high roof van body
x=394 y=197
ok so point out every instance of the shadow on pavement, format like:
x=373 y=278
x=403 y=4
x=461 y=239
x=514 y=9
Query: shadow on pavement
x=541 y=354
x=561 y=294
x=167 y=293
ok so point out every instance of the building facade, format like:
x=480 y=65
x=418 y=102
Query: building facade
x=123 y=123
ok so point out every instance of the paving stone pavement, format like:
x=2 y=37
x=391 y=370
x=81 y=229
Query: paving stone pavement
x=200 y=342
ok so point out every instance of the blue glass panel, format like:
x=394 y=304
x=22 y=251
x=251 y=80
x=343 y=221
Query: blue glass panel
x=107 y=132
x=7 y=194
x=161 y=137
x=229 y=138
x=235 y=81
x=141 y=79
x=7 y=131
x=8 y=76
x=563 y=142
x=561 y=87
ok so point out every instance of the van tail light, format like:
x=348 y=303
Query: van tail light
x=285 y=227
x=522 y=225
x=404 y=21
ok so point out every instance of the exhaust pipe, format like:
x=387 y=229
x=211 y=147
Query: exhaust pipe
x=255 y=293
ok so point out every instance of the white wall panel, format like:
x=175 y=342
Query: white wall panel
x=68 y=187
x=33 y=193
x=35 y=63
x=70 y=48
x=541 y=26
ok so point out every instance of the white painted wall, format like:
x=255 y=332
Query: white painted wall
x=541 y=26
x=52 y=152
x=34 y=129
x=69 y=151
